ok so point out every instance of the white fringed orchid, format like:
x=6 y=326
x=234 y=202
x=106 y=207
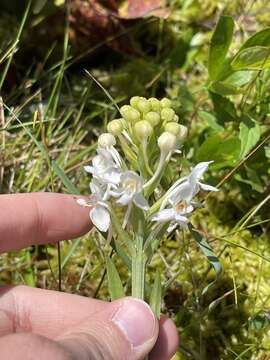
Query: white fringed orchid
x=180 y=198
x=99 y=208
x=130 y=190
x=105 y=166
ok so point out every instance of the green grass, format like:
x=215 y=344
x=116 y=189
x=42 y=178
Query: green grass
x=51 y=116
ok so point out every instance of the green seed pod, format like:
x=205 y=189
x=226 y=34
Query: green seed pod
x=167 y=114
x=143 y=105
x=166 y=142
x=106 y=139
x=165 y=103
x=155 y=104
x=153 y=118
x=143 y=129
x=134 y=101
x=115 y=127
x=129 y=113
x=173 y=128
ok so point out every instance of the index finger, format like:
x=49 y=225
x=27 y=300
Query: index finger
x=39 y=218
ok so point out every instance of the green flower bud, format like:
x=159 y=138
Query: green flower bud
x=143 y=105
x=173 y=128
x=167 y=114
x=143 y=129
x=115 y=127
x=134 y=101
x=106 y=139
x=165 y=103
x=175 y=118
x=166 y=142
x=183 y=132
x=155 y=104
x=153 y=118
x=129 y=113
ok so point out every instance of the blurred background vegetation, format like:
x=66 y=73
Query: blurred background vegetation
x=52 y=113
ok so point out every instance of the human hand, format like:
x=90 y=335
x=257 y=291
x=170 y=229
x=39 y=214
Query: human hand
x=44 y=324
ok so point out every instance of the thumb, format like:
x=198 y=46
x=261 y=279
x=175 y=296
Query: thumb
x=127 y=329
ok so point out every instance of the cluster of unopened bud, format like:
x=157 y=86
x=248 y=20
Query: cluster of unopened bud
x=144 y=118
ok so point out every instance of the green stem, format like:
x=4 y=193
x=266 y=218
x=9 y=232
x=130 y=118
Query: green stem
x=138 y=269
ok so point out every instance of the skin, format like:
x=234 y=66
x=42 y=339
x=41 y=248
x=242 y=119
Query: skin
x=62 y=326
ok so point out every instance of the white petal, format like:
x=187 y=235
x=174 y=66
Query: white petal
x=164 y=215
x=89 y=169
x=141 y=202
x=124 y=199
x=100 y=218
x=184 y=191
x=207 y=187
x=179 y=218
x=198 y=171
x=111 y=175
x=82 y=202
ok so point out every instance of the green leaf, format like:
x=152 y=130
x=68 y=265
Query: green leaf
x=208 y=252
x=224 y=109
x=239 y=78
x=224 y=153
x=123 y=235
x=116 y=289
x=261 y=38
x=156 y=294
x=220 y=44
x=65 y=180
x=253 y=58
x=224 y=89
x=249 y=136
x=211 y=120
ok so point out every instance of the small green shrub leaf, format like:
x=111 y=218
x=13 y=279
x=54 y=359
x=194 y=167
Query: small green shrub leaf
x=261 y=38
x=249 y=136
x=253 y=58
x=224 y=153
x=114 y=282
x=220 y=44
x=156 y=294
x=211 y=120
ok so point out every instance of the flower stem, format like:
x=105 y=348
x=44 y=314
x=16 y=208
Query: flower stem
x=138 y=268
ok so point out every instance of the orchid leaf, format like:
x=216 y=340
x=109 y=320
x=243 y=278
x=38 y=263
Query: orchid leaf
x=156 y=294
x=116 y=289
x=209 y=253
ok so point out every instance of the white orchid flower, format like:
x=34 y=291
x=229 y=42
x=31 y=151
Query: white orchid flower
x=180 y=198
x=104 y=166
x=186 y=188
x=177 y=215
x=99 y=211
x=130 y=190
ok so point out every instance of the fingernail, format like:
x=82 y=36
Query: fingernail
x=138 y=323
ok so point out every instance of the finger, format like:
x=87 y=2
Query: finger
x=167 y=342
x=40 y=218
x=14 y=345
x=56 y=311
x=125 y=330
